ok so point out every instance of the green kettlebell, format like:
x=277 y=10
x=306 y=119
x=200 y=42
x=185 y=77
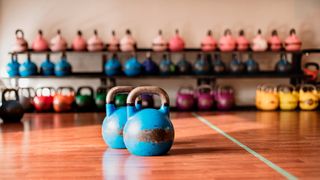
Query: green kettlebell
x=85 y=101
x=120 y=100
x=100 y=99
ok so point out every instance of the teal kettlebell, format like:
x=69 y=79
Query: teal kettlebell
x=149 y=131
x=113 y=123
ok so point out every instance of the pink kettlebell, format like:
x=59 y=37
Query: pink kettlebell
x=58 y=43
x=21 y=44
x=227 y=42
x=176 y=43
x=40 y=43
x=205 y=98
x=208 y=43
x=293 y=43
x=185 y=98
x=159 y=43
x=79 y=43
x=259 y=43
x=95 y=43
x=225 y=98
x=113 y=43
x=274 y=41
x=128 y=43
x=242 y=42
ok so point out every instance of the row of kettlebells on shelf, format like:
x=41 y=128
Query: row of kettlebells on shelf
x=202 y=66
x=205 y=98
x=226 y=43
x=287 y=97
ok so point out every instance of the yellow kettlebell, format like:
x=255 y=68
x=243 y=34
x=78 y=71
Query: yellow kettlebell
x=268 y=98
x=258 y=91
x=308 y=97
x=288 y=97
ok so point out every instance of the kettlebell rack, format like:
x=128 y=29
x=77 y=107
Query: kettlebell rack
x=296 y=76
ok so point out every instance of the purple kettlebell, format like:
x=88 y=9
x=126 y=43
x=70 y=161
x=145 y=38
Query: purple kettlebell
x=185 y=98
x=205 y=96
x=224 y=97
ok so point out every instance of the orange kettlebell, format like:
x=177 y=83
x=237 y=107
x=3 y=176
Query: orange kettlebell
x=268 y=98
x=64 y=99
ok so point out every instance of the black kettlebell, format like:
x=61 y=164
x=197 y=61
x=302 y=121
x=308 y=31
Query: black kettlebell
x=283 y=64
x=251 y=65
x=183 y=66
x=26 y=96
x=218 y=65
x=236 y=66
x=203 y=64
x=11 y=110
x=85 y=101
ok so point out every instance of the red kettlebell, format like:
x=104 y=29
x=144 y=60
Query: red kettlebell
x=313 y=73
x=26 y=96
x=185 y=98
x=40 y=43
x=225 y=98
x=64 y=99
x=44 y=99
x=205 y=97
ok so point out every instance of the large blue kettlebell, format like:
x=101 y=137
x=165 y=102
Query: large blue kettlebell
x=148 y=132
x=13 y=66
x=47 y=67
x=149 y=66
x=113 y=123
x=62 y=67
x=28 y=68
x=113 y=66
x=132 y=67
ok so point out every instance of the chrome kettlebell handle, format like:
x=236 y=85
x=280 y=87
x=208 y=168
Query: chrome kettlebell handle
x=145 y=90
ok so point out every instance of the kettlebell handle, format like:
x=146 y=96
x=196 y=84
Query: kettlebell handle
x=148 y=90
x=308 y=64
x=70 y=90
x=8 y=91
x=281 y=87
x=187 y=88
x=304 y=86
x=228 y=88
x=40 y=90
x=28 y=90
x=19 y=33
x=85 y=87
x=102 y=89
x=204 y=86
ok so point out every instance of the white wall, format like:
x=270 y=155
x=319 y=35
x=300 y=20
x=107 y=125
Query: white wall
x=145 y=17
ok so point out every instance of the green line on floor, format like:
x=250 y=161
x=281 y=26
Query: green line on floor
x=257 y=155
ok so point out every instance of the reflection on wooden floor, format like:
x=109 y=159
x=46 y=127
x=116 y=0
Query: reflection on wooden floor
x=70 y=146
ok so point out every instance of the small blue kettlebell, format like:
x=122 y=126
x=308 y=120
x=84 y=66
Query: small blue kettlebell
x=28 y=68
x=113 y=123
x=251 y=65
x=203 y=64
x=236 y=66
x=113 y=66
x=283 y=64
x=166 y=66
x=149 y=66
x=13 y=66
x=148 y=132
x=47 y=67
x=219 y=66
x=132 y=67
x=62 y=67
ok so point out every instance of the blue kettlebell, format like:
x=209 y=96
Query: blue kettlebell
x=13 y=66
x=149 y=66
x=132 y=67
x=148 y=132
x=251 y=65
x=113 y=66
x=166 y=66
x=203 y=65
x=183 y=66
x=47 y=67
x=62 y=67
x=28 y=68
x=283 y=64
x=236 y=66
x=113 y=123
x=219 y=66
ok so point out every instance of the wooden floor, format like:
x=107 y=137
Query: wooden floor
x=238 y=145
